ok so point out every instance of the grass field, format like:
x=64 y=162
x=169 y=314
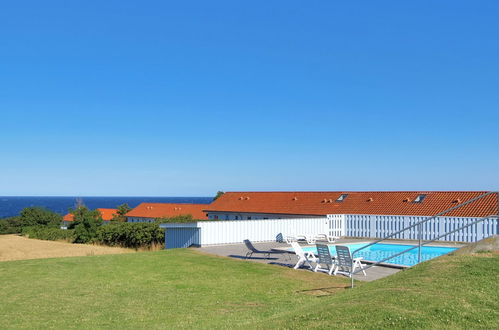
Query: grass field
x=183 y=288
x=13 y=247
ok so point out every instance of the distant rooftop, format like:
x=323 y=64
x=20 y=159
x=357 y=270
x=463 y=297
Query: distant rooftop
x=107 y=214
x=168 y=210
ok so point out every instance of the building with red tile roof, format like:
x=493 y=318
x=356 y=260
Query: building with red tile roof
x=148 y=212
x=261 y=205
x=107 y=215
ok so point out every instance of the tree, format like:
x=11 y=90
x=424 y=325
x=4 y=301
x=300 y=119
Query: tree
x=123 y=209
x=36 y=216
x=85 y=223
x=219 y=193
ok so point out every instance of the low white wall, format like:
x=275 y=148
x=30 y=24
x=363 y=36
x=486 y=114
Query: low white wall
x=235 y=231
x=225 y=232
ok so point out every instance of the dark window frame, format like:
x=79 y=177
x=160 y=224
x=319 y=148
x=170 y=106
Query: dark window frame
x=420 y=198
x=341 y=198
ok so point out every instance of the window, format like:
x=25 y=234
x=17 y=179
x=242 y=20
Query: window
x=265 y=218
x=226 y=217
x=237 y=217
x=216 y=217
x=419 y=199
x=342 y=197
x=249 y=218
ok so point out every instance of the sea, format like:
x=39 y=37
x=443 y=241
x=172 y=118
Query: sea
x=11 y=206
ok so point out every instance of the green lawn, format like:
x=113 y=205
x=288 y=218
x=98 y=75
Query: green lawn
x=183 y=288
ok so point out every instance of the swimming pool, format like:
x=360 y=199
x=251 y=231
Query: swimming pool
x=378 y=252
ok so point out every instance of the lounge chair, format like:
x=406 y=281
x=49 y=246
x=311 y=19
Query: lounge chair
x=325 y=237
x=303 y=258
x=310 y=239
x=324 y=259
x=252 y=249
x=344 y=261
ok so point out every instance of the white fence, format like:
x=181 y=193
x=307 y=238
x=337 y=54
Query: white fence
x=336 y=225
x=350 y=225
x=235 y=231
x=216 y=232
x=379 y=226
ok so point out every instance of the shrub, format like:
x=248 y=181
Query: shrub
x=85 y=224
x=178 y=219
x=49 y=233
x=131 y=235
x=34 y=216
x=11 y=225
x=29 y=217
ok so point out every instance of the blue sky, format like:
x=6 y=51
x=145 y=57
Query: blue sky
x=150 y=98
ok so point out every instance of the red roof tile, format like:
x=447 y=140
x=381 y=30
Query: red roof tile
x=366 y=202
x=107 y=214
x=166 y=210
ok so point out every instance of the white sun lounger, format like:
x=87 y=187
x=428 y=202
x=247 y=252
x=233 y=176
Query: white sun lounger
x=326 y=238
x=311 y=239
x=308 y=238
x=303 y=258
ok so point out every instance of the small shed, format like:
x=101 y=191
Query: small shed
x=181 y=235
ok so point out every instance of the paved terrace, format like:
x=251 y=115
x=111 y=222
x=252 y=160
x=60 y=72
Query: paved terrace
x=238 y=251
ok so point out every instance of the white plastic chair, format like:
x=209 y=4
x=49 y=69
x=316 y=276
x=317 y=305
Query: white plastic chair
x=303 y=258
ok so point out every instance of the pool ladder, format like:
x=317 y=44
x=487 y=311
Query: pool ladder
x=420 y=241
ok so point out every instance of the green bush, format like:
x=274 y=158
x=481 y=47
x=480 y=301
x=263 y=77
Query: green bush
x=29 y=217
x=178 y=219
x=34 y=216
x=130 y=235
x=49 y=233
x=85 y=224
x=11 y=225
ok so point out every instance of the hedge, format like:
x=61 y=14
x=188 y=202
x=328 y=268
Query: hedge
x=130 y=235
x=48 y=233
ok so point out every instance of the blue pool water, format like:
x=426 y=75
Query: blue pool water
x=378 y=252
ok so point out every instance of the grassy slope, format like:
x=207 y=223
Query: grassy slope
x=449 y=292
x=182 y=288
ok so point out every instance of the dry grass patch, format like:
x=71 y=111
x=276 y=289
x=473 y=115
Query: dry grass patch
x=14 y=247
x=317 y=284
